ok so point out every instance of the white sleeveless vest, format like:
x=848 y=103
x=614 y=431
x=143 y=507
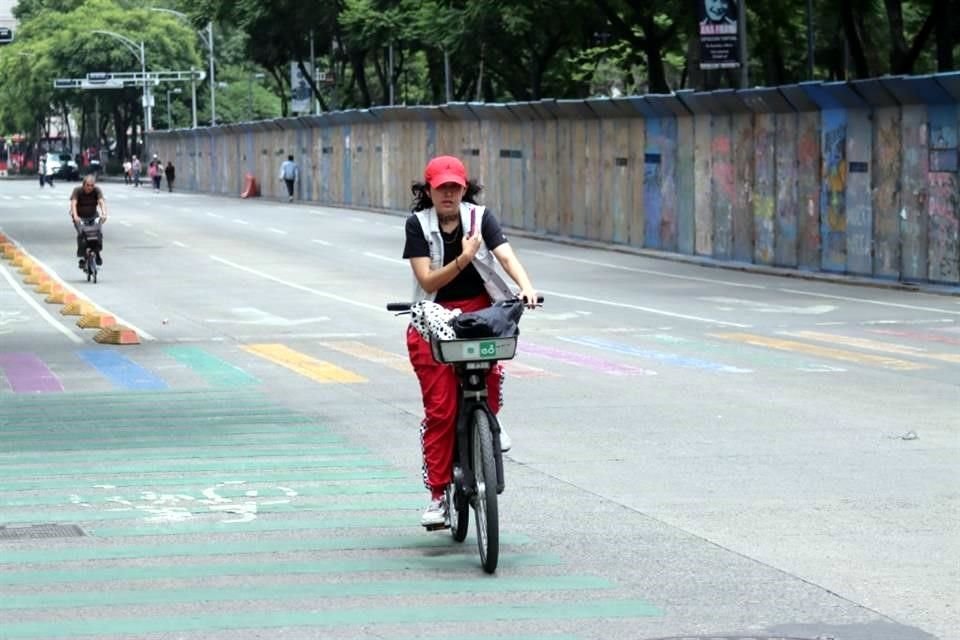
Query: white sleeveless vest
x=483 y=262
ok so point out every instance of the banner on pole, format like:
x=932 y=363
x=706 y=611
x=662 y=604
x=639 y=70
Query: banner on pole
x=719 y=34
x=300 y=92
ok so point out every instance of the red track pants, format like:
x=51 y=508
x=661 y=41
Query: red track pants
x=438 y=386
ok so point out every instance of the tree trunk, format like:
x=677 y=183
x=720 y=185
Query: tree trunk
x=656 y=74
x=357 y=61
x=904 y=57
x=854 y=41
x=945 y=40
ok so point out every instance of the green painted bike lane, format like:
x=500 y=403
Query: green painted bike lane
x=175 y=490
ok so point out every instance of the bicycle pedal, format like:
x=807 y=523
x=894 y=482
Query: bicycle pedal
x=436 y=527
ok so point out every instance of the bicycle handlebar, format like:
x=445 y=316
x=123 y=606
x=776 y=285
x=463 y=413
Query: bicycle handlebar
x=405 y=306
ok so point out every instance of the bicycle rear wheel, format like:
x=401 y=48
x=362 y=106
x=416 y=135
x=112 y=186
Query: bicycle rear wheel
x=485 y=507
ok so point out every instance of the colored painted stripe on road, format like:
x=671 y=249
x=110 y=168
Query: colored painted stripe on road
x=234 y=490
x=158 y=456
x=582 y=361
x=824 y=352
x=28 y=374
x=176 y=528
x=404 y=614
x=154 y=479
x=371 y=354
x=873 y=345
x=380 y=588
x=924 y=336
x=262 y=545
x=228 y=465
x=24 y=443
x=756 y=356
x=122 y=371
x=649 y=354
x=198 y=570
x=157 y=513
x=317 y=370
x=217 y=372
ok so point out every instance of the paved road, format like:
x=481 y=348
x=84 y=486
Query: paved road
x=696 y=451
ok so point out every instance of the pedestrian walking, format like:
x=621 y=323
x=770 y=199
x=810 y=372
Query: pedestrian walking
x=155 y=171
x=171 y=174
x=127 y=169
x=42 y=170
x=135 y=171
x=289 y=173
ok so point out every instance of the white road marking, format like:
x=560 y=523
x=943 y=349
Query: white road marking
x=277 y=231
x=661 y=312
x=39 y=309
x=239 y=221
x=652 y=272
x=151 y=234
x=765 y=307
x=323 y=242
x=377 y=256
x=320 y=212
x=299 y=287
x=252 y=315
x=361 y=220
x=214 y=215
x=869 y=301
x=126 y=223
x=180 y=244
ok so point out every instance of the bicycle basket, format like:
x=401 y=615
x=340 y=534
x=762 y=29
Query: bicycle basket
x=92 y=236
x=474 y=350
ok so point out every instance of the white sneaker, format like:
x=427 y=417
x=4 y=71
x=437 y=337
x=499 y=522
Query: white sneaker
x=505 y=442
x=435 y=514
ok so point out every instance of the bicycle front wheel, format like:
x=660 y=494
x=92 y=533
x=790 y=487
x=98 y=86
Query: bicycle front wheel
x=485 y=507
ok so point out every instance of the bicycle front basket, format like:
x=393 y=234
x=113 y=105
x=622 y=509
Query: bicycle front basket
x=474 y=349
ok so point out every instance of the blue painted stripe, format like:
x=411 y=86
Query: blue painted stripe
x=121 y=371
x=669 y=358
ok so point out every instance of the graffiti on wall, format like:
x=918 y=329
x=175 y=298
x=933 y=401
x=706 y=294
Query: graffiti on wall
x=833 y=221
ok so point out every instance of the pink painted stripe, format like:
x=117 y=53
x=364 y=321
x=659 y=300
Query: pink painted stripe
x=583 y=361
x=28 y=374
x=917 y=335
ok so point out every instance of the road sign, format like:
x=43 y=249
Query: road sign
x=6 y=35
x=66 y=83
x=106 y=83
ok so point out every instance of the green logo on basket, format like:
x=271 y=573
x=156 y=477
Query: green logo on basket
x=488 y=349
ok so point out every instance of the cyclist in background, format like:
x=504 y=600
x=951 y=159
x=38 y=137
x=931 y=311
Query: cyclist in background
x=453 y=245
x=84 y=203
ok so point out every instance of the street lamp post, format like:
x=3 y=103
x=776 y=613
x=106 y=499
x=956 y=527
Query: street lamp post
x=169 y=117
x=139 y=51
x=207 y=39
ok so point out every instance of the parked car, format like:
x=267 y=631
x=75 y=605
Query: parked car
x=61 y=165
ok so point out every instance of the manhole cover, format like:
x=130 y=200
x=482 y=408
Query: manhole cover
x=35 y=531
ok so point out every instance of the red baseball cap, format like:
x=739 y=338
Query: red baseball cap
x=444 y=169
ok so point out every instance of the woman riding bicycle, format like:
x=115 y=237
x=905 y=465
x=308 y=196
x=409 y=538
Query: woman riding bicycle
x=453 y=245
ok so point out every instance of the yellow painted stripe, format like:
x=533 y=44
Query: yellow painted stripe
x=874 y=345
x=303 y=364
x=371 y=354
x=824 y=352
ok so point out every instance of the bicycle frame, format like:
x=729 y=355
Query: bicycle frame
x=472 y=377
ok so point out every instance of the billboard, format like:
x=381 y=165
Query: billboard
x=719 y=34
